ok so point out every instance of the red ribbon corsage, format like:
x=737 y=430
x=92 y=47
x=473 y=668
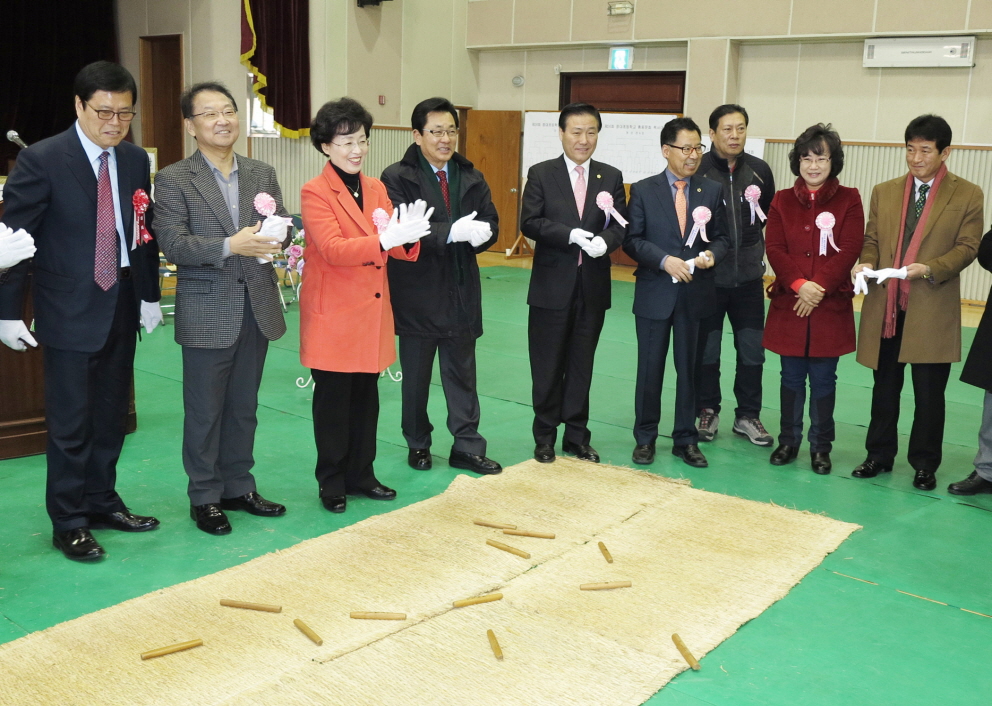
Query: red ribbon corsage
x=140 y=201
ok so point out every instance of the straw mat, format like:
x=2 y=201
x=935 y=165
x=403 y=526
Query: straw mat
x=701 y=564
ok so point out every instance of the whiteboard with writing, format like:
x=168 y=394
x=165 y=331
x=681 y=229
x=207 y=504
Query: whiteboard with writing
x=628 y=141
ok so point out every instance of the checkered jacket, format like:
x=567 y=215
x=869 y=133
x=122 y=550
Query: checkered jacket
x=191 y=222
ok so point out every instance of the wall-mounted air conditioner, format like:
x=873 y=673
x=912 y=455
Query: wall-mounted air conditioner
x=903 y=52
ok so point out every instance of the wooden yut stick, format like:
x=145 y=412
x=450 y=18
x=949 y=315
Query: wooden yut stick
x=305 y=629
x=496 y=525
x=606 y=552
x=366 y=615
x=179 y=647
x=507 y=548
x=605 y=586
x=251 y=606
x=686 y=654
x=478 y=599
x=494 y=643
x=527 y=533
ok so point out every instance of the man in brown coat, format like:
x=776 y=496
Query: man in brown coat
x=930 y=222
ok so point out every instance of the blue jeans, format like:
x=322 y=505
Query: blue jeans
x=822 y=375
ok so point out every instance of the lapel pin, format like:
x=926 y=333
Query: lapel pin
x=598 y=176
x=699 y=190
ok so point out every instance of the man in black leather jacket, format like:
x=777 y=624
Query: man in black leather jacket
x=739 y=284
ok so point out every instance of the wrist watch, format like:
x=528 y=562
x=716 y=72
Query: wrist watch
x=929 y=275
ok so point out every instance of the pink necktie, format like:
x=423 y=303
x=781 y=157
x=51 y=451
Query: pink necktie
x=680 y=206
x=580 y=190
x=105 y=263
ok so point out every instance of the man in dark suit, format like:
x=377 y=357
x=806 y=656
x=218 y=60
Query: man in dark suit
x=675 y=286
x=93 y=279
x=437 y=300
x=227 y=302
x=570 y=281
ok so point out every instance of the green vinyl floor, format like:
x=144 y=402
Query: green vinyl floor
x=857 y=630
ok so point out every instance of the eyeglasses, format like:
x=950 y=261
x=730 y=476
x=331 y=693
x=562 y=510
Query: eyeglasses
x=814 y=161
x=208 y=115
x=438 y=134
x=125 y=116
x=350 y=145
x=689 y=149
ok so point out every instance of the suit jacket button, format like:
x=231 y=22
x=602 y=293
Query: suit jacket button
x=377 y=295
x=378 y=267
x=807 y=254
x=807 y=227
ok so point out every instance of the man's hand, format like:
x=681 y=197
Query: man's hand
x=580 y=237
x=811 y=293
x=468 y=230
x=704 y=260
x=15 y=334
x=678 y=269
x=14 y=246
x=251 y=243
x=595 y=247
x=916 y=271
x=151 y=315
x=862 y=265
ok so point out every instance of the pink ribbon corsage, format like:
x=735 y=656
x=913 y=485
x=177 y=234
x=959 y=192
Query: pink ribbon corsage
x=826 y=222
x=604 y=200
x=700 y=217
x=265 y=204
x=140 y=201
x=380 y=219
x=752 y=194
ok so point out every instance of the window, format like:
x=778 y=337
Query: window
x=260 y=121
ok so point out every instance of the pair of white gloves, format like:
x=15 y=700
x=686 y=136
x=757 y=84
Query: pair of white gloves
x=593 y=245
x=19 y=245
x=407 y=225
x=274 y=231
x=468 y=230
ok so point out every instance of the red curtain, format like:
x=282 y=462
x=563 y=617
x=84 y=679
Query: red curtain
x=275 y=46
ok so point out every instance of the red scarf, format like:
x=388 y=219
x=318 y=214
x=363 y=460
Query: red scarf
x=901 y=288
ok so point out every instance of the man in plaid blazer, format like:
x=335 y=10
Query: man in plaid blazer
x=227 y=303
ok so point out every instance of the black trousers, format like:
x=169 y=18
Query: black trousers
x=926 y=439
x=86 y=402
x=562 y=345
x=220 y=398
x=456 y=359
x=653 y=337
x=345 y=419
x=744 y=306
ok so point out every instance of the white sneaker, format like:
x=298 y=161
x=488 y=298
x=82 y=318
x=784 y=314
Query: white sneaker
x=709 y=424
x=753 y=429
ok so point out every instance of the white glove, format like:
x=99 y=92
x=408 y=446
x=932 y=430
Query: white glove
x=483 y=232
x=274 y=228
x=14 y=246
x=595 y=247
x=15 y=334
x=579 y=237
x=151 y=315
x=408 y=224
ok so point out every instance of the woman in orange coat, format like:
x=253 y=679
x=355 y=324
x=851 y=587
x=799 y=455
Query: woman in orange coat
x=346 y=321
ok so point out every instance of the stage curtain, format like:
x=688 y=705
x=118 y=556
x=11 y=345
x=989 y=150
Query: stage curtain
x=275 y=46
x=45 y=44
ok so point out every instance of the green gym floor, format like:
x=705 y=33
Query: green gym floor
x=899 y=614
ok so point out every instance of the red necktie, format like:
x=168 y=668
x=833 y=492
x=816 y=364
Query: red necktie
x=105 y=263
x=443 y=178
x=680 y=206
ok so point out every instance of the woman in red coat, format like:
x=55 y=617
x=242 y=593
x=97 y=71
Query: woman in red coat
x=813 y=238
x=346 y=321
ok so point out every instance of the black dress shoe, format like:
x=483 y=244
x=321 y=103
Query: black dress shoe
x=972 y=485
x=334 y=503
x=78 y=544
x=210 y=518
x=123 y=521
x=583 y=452
x=870 y=469
x=783 y=455
x=691 y=455
x=376 y=492
x=420 y=459
x=643 y=454
x=925 y=480
x=474 y=463
x=821 y=463
x=545 y=453
x=254 y=504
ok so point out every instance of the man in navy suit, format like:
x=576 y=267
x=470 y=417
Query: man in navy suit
x=570 y=282
x=93 y=278
x=675 y=286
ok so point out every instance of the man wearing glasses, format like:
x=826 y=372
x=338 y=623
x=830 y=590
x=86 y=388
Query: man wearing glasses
x=437 y=300
x=227 y=302
x=677 y=233
x=93 y=279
